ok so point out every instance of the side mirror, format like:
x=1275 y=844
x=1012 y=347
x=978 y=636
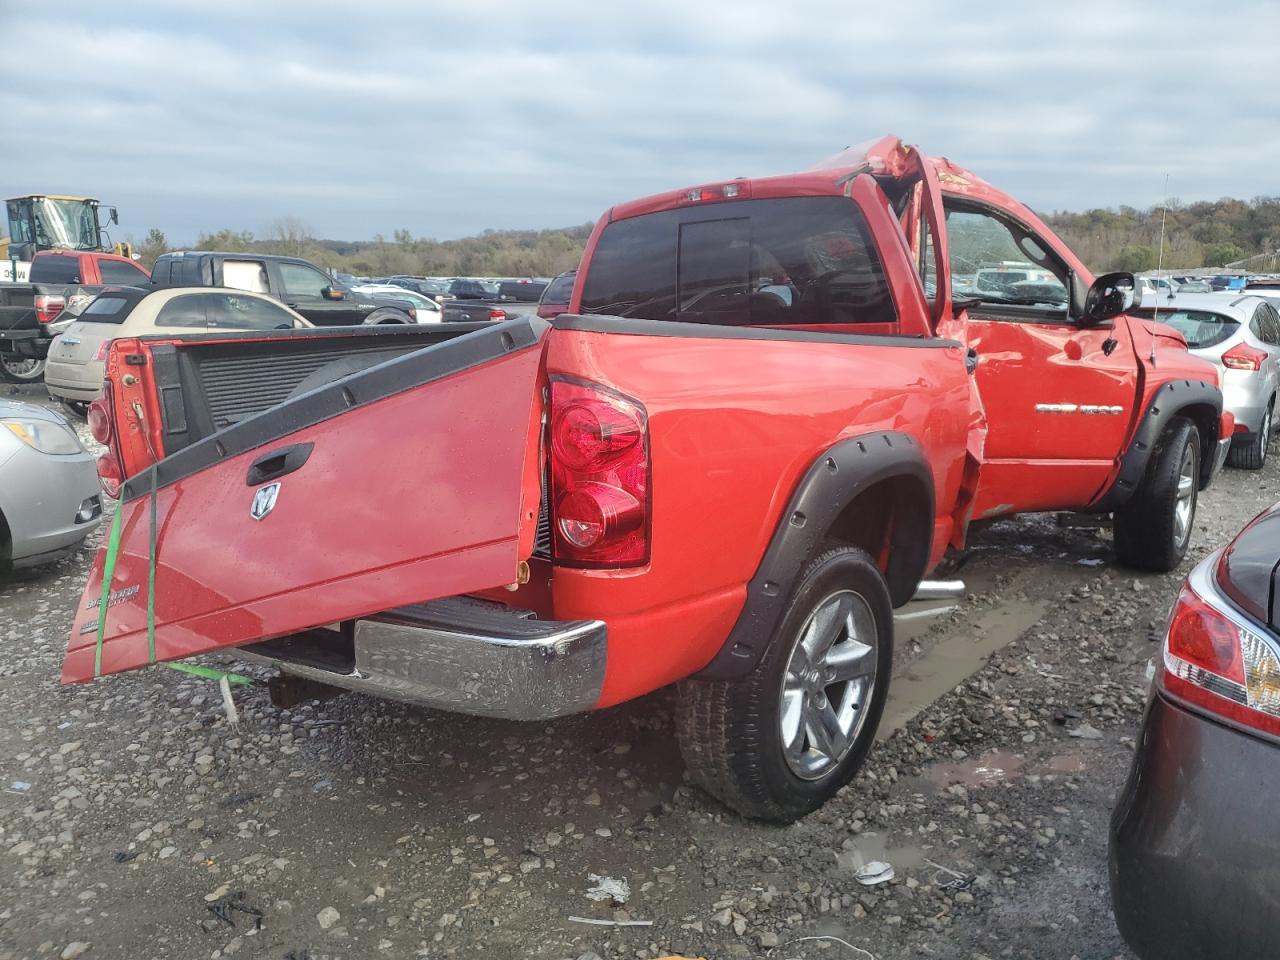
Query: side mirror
x=115 y=217
x=333 y=293
x=1111 y=295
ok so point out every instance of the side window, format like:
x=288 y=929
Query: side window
x=187 y=311
x=245 y=275
x=995 y=262
x=160 y=272
x=120 y=272
x=301 y=281
x=1269 y=321
x=228 y=311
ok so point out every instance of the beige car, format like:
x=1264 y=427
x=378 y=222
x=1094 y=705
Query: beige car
x=76 y=356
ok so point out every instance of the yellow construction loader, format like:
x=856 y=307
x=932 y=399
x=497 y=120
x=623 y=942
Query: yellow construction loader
x=47 y=222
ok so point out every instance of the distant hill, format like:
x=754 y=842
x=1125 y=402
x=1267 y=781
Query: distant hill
x=1210 y=233
x=1204 y=234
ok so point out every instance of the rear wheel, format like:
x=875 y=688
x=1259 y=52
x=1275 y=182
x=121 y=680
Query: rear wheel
x=778 y=743
x=18 y=369
x=1251 y=453
x=1153 y=530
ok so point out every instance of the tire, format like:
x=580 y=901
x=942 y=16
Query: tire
x=77 y=408
x=1252 y=453
x=731 y=732
x=1153 y=530
x=17 y=369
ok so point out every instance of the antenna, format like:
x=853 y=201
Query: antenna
x=1155 y=316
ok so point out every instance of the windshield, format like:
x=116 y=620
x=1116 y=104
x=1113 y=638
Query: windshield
x=54 y=223
x=1199 y=328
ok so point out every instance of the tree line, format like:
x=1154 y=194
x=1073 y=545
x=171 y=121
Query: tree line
x=1209 y=233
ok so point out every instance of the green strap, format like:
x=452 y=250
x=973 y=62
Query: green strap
x=151 y=574
x=208 y=673
x=108 y=571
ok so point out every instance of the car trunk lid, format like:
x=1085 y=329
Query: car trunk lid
x=409 y=481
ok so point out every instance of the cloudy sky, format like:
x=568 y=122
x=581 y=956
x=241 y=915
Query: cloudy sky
x=447 y=117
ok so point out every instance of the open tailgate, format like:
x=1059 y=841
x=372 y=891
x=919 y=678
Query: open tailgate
x=413 y=480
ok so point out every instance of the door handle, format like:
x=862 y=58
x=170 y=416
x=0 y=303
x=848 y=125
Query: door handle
x=971 y=360
x=277 y=463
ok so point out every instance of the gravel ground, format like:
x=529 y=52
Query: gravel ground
x=362 y=828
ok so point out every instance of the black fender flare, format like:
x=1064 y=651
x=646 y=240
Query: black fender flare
x=832 y=482
x=1171 y=400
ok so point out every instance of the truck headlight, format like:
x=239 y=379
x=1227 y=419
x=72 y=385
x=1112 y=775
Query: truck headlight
x=46 y=436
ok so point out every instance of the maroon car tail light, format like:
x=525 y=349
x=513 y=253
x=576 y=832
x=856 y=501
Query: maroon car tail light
x=49 y=306
x=599 y=458
x=1215 y=659
x=1243 y=357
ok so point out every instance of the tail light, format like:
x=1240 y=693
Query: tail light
x=99 y=418
x=102 y=426
x=1243 y=357
x=599 y=476
x=1215 y=659
x=496 y=314
x=103 y=349
x=49 y=306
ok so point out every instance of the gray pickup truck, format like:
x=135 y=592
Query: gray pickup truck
x=61 y=283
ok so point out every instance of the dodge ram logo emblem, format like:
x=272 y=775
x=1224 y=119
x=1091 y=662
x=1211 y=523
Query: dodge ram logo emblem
x=264 y=501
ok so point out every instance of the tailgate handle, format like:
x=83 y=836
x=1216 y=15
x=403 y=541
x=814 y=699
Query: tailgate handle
x=278 y=462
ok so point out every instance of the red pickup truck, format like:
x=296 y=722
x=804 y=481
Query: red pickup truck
x=58 y=281
x=771 y=408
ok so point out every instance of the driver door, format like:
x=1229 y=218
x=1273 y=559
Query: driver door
x=1058 y=397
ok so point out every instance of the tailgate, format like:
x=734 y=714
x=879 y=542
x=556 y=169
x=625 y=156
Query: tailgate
x=412 y=480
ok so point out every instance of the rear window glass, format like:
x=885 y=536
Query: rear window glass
x=560 y=290
x=802 y=261
x=106 y=309
x=118 y=271
x=1199 y=328
x=57 y=268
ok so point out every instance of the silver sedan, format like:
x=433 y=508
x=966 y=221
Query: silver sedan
x=50 y=498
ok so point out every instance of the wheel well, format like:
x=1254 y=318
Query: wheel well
x=1207 y=421
x=893 y=521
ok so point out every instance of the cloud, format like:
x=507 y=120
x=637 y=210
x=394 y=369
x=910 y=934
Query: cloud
x=450 y=117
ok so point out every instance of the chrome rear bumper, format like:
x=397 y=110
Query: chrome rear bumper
x=458 y=654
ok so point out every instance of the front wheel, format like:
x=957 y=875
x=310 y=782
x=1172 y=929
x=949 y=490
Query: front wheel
x=18 y=369
x=1153 y=530
x=778 y=743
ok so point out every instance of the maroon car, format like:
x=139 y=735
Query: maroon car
x=555 y=299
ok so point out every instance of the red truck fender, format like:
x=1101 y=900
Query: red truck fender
x=1194 y=399
x=826 y=501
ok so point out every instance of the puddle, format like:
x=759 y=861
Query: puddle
x=998 y=766
x=955 y=659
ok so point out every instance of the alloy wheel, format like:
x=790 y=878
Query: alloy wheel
x=828 y=684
